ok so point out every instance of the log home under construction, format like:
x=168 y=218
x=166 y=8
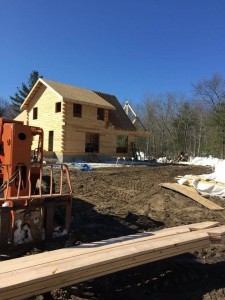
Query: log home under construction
x=79 y=124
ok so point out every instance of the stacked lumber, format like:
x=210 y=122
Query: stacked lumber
x=32 y=275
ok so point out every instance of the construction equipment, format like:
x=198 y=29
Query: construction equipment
x=30 y=194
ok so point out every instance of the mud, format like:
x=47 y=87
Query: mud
x=112 y=202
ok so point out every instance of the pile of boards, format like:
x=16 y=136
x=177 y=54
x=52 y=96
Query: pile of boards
x=24 y=277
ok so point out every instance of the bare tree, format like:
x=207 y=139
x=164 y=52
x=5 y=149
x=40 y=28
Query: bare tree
x=5 y=108
x=157 y=112
x=212 y=94
x=147 y=112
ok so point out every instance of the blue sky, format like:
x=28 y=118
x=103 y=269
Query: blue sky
x=124 y=47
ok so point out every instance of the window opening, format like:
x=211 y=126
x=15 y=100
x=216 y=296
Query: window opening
x=122 y=144
x=77 y=110
x=58 y=107
x=35 y=113
x=100 y=113
x=92 y=142
x=50 y=140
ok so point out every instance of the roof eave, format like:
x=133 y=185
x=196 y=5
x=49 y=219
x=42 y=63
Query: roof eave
x=90 y=103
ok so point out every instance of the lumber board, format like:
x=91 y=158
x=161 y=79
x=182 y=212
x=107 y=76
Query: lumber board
x=59 y=254
x=120 y=251
x=64 y=267
x=194 y=226
x=216 y=235
x=193 y=194
x=104 y=244
x=216 y=231
x=203 y=225
x=67 y=280
x=28 y=281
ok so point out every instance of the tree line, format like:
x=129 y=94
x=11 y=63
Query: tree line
x=195 y=126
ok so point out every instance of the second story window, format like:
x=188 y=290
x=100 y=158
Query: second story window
x=35 y=113
x=77 y=110
x=100 y=113
x=58 y=107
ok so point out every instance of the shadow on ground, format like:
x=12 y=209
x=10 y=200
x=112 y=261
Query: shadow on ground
x=88 y=225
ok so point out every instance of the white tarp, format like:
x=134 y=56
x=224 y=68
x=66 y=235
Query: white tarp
x=209 y=189
x=206 y=161
x=212 y=184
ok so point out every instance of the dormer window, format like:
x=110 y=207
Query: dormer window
x=77 y=110
x=100 y=113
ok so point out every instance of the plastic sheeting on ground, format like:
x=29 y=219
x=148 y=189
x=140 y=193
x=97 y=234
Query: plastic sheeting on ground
x=212 y=184
x=209 y=189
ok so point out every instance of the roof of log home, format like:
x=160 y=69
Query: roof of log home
x=117 y=116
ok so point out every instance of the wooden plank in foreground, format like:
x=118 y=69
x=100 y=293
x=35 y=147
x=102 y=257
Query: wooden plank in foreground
x=34 y=280
x=93 y=272
x=193 y=194
x=33 y=275
x=46 y=257
x=203 y=225
x=36 y=274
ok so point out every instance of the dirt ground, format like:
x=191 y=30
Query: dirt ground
x=112 y=202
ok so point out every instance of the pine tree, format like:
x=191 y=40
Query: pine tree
x=22 y=92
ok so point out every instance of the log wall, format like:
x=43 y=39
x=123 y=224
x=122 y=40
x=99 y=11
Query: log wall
x=69 y=131
x=47 y=118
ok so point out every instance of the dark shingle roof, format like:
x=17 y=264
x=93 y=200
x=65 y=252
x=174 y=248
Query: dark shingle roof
x=118 y=117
